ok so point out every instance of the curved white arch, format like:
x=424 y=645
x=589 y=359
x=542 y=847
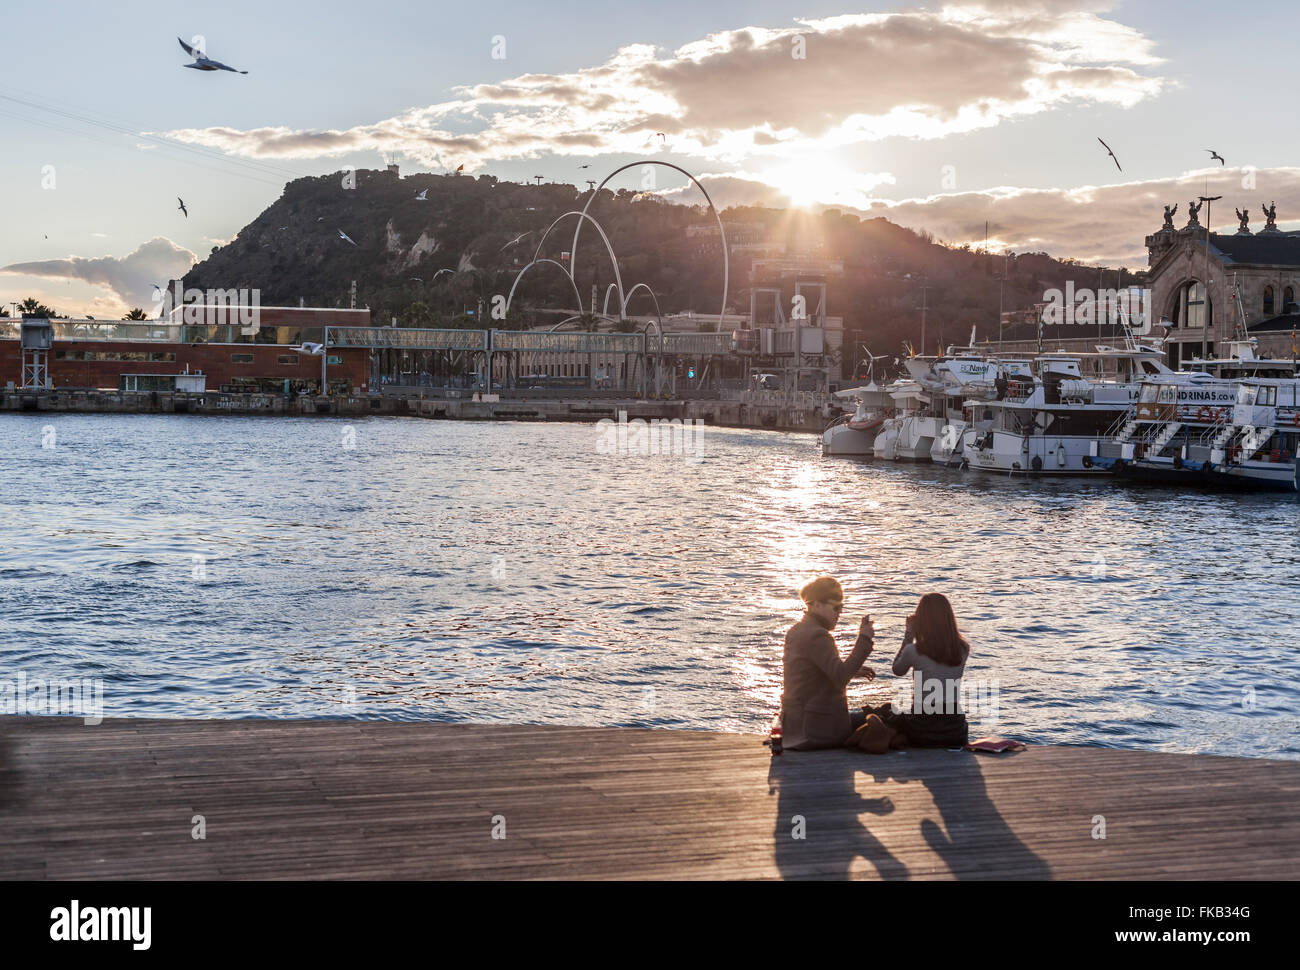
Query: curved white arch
x=520 y=276
x=604 y=307
x=722 y=235
x=643 y=286
x=618 y=276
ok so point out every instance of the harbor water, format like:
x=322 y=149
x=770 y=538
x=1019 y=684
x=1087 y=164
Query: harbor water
x=410 y=569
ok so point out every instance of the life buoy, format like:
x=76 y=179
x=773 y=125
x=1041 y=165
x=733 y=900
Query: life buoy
x=1223 y=415
x=1204 y=414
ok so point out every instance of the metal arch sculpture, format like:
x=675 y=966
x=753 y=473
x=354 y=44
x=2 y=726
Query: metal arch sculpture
x=553 y=262
x=632 y=292
x=604 y=305
x=618 y=276
x=722 y=234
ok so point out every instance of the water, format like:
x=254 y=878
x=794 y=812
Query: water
x=405 y=569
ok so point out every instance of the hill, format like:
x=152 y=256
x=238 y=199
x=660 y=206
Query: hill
x=471 y=226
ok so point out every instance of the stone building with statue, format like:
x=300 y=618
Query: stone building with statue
x=1254 y=284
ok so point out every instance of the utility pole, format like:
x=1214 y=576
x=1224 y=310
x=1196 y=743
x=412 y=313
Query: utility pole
x=1205 y=307
x=923 y=308
x=1001 y=284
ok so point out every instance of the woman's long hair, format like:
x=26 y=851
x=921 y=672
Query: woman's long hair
x=935 y=630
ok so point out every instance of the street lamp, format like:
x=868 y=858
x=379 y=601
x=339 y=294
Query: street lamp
x=1205 y=303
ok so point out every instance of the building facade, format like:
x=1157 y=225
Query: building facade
x=150 y=355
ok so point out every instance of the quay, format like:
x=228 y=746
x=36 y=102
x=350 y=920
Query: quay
x=492 y=407
x=125 y=798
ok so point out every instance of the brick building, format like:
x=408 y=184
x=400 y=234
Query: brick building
x=149 y=355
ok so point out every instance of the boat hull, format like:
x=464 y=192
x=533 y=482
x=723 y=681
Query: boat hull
x=1002 y=451
x=844 y=440
x=1250 y=476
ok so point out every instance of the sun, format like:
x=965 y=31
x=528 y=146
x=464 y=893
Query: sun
x=813 y=180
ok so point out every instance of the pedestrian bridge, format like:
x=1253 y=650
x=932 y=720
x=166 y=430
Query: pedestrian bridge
x=556 y=342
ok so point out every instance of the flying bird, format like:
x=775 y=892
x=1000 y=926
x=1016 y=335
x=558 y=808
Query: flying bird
x=204 y=63
x=181 y=206
x=422 y=195
x=1214 y=155
x=584 y=166
x=345 y=237
x=1111 y=154
x=416 y=279
x=515 y=240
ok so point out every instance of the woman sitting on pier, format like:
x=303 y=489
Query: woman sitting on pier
x=934 y=653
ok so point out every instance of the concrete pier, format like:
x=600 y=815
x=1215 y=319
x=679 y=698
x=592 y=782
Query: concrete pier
x=722 y=413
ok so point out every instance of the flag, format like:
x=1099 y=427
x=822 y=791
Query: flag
x=460 y=168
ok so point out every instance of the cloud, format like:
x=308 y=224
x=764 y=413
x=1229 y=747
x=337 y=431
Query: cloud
x=760 y=92
x=130 y=278
x=1092 y=223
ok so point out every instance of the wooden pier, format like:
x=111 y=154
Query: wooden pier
x=381 y=800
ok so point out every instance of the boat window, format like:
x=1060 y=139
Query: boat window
x=1246 y=394
x=1267 y=397
x=1148 y=394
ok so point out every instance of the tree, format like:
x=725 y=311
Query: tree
x=136 y=314
x=35 y=307
x=418 y=314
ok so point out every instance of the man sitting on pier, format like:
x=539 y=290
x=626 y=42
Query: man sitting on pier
x=814 y=706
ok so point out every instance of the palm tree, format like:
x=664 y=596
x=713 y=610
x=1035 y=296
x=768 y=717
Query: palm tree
x=35 y=307
x=136 y=314
x=418 y=314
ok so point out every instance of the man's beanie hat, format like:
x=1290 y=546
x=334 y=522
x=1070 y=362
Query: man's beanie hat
x=822 y=588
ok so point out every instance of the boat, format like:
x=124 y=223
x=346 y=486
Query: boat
x=1236 y=433
x=1048 y=422
x=854 y=433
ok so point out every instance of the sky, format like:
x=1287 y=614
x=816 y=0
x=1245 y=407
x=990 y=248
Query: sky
x=936 y=116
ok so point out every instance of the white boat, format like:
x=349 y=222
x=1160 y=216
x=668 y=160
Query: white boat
x=854 y=434
x=1232 y=420
x=1218 y=431
x=1047 y=424
x=968 y=376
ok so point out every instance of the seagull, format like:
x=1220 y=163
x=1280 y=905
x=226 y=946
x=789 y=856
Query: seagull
x=320 y=219
x=202 y=62
x=416 y=279
x=182 y=206
x=1111 y=154
x=515 y=240
x=1214 y=155
x=584 y=166
x=423 y=196
x=345 y=237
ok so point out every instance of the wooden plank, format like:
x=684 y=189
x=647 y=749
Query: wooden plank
x=374 y=800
